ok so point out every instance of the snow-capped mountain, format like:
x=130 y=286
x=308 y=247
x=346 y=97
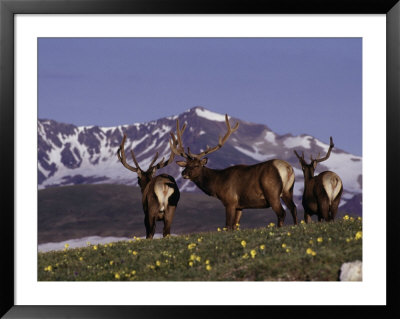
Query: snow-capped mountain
x=69 y=154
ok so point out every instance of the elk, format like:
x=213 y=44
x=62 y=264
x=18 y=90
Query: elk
x=241 y=186
x=160 y=194
x=322 y=193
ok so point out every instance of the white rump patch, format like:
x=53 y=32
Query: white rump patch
x=163 y=192
x=332 y=184
x=287 y=174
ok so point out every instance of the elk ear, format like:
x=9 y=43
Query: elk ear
x=204 y=161
x=314 y=164
x=181 y=163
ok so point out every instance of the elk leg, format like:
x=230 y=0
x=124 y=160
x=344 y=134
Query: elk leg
x=288 y=200
x=230 y=216
x=307 y=217
x=279 y=211
x=335 y=205
x=237 y=218
x=323 y=209
x=150 y=222
x=168 y=216
x=334 y=208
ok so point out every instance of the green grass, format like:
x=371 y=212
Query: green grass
x=268 y=253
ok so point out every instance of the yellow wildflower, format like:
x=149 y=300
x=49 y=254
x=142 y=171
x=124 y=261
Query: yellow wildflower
x=224 y=229
x=80 y=258
x=245 y=256
x=271 y=225
x=253 y=253
x=359 y=218
x=158 y=263
x=192 y=257
x=199 y=239
x=218 y=229
x=288 y=233
x=207 y=262
x=288 y=250
x=358 y=235
x=283 y=245
x=133 y=272
x=191 y=263
x=105 y=246
x=313 y=253
x=309 y=251
x=134 y=253
x=117 y=276
x=243 y=243
x=262 y=247
x=111 y=262
x=320 y=239
x=346 y=217
x=66 y=245
x=348 y=240
x=208 y=267
x=198 y=258
x=302 y=222
x=191 y=246
x=352 y=218
x=95 y=247
x=48 y=268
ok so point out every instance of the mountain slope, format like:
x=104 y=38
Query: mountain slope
x=70 y=155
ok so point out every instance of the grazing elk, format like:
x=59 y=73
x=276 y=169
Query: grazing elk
x=240 y=186
x=160 y=194
x=321 y=193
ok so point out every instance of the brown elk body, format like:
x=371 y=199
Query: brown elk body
x=241 y=186
x=160 y=194
x=322 y=193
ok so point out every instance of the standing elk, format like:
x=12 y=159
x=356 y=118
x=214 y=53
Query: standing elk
x=241 y=186
x=321 y=193
x=160 y=194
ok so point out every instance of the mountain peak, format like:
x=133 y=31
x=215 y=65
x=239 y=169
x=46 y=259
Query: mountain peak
x=201 y=111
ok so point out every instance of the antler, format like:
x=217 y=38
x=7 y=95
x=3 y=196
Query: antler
x=176 y=146
x=331 y=145
x=301 y=158
x=221 y=142
x=122 y=157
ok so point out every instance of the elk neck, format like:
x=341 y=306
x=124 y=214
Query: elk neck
x=308 y=176
x=206 y=181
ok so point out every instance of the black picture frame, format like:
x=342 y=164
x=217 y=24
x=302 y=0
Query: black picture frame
x=9 y=8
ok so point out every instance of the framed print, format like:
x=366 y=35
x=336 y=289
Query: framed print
x=61 y=58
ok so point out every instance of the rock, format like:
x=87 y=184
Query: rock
x=351 y=271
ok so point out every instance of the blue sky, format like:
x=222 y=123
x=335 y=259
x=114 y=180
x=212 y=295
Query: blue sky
x=293 y=85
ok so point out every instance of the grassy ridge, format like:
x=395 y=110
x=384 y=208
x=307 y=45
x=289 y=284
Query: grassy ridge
x=304 y=252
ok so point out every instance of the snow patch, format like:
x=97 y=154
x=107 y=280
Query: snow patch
x=298 y=141
x=256 y=154
x=210 y=115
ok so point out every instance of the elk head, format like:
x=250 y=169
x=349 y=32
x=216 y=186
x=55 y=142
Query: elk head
x=309 y=169
x=195 y=162
x=144 y=177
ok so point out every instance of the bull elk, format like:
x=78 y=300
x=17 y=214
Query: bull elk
x=160 y=194
x=322 y=193
x=241 y=186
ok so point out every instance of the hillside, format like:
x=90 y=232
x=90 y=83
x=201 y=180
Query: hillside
x=72 y=212
x=307 y=252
